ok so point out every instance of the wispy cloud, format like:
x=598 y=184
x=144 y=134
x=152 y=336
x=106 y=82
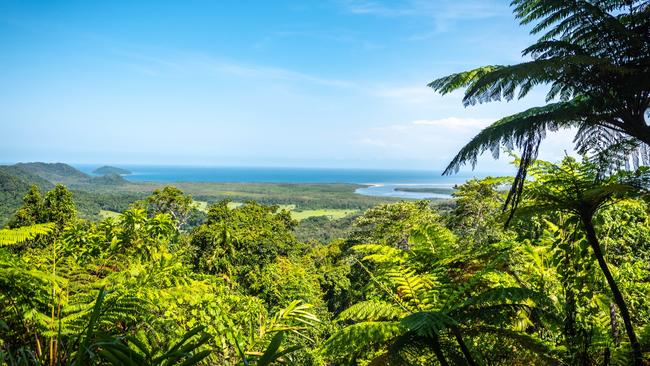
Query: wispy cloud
x=413 y=94
x=243 y=69
x=327 y=34
x=440 y=139
x=188 y=64
x=442 y=12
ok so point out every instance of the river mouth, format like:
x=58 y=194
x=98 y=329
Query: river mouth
x=408 y=191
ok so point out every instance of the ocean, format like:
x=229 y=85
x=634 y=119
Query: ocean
x=380 y=182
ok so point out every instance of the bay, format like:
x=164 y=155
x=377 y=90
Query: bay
x=377 y=182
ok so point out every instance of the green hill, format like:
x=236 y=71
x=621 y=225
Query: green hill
x=55 y=172
x=12 y=190
x=106 y=169
x=15 y=181
x=47 y=174
x=26 y=176
x=14 y=184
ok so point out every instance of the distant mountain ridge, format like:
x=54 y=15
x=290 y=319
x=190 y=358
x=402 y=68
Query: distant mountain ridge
x=26 y=176
x=15 y=181
x=54 y=172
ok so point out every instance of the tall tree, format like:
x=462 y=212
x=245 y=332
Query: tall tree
x=32 y=211
x=595 y=56
x=171 y=200
x=476 y=215
x=240 y=242
x=579 y=190
x=59 y=206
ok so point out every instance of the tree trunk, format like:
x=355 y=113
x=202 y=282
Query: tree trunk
x=637 y=356
x=613 y=322
x=438 y=351
x=463 y=347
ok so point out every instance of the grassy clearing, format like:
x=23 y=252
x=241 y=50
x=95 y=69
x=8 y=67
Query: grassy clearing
x=232 y=205
x=104 y=214
x=332 y=214
x=287 y=207
x=303 y=200
x=201 y=205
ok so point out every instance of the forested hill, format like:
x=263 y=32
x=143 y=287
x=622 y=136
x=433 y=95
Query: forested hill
x=45 y=175
x=54 y=172
x=106 y=169
x=15 y=181
x=18 y=172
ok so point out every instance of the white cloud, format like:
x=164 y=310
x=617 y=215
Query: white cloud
x=439 y=136
x=414 y=94
x=438 y=140
x=454 y=122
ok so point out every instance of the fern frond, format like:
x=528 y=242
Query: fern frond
x=371 y=311
x=378 y=253
x=509 y=295
x=353 y=339
x=25 y=233
x=427 y=323
x=291 y=318
x=543 y=350
x=411 y=286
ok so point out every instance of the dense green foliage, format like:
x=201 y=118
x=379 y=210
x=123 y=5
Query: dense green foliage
x=561 y=279
x=403 y=283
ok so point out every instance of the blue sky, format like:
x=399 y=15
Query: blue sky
x=336 y=83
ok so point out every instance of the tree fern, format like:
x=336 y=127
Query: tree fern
x=427 y=307
x=593 y=55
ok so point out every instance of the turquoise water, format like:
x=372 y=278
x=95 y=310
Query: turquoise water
x=381 y=182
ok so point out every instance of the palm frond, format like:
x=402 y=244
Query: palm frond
x=519 y=130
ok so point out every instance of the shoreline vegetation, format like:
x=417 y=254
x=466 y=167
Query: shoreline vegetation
x=435 y=190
